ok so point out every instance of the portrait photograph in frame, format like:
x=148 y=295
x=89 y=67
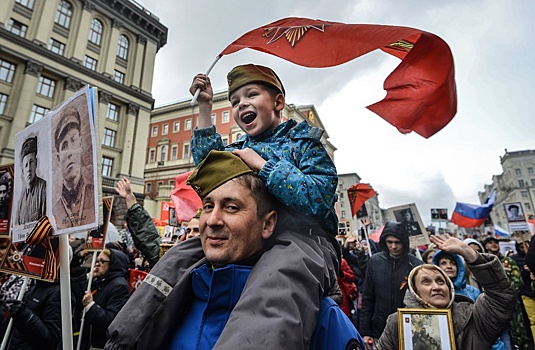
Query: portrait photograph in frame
x=6 y=197
x=423 y=329
x=409 y=217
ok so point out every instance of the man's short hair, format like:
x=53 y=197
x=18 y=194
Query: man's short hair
x=69 y=119
x=29 y=146
x=265 y=202
x=513 y=206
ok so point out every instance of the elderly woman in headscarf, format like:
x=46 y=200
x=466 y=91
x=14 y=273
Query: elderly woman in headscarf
x=476 y=325
x=110 y=291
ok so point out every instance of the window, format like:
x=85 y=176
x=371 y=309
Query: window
x=16 y=27
x=225 y=140
x=95 y=32
x=109 y=137
x=530 y=171
x=148 y=187
x=122 y=47
x=213 y=119
x=3 y=102
x=188 y=124
x=165 y=129
x=174 y=152
x=38 y=112
x=154 y=131
x=26 y=3
x=524 y=194
x=160 y=184
x=532 y=182
x=225 y=118
x=107 y=166
x=186 y=151
x=343 y=214
x=518 y=172
x=238 y=136
x=56 y=47
x=118 y=77
x=521 y=183
x=113 y=112
x=163 y=153
x=90 y=63
x=171 y=183
x=63 y=14
x=341 y=195
x=176 y=127
x=46 y=86
x=341 y=204
x=152 y=156
x=527 y=206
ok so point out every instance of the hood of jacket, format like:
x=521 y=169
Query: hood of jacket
x=473 y=241
x=397 y=230
x=459 y=282
x=119 y=265
x=413 y=300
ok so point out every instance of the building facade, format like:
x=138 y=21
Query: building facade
x=169 y=151
x=516 y=184
x=50 y=49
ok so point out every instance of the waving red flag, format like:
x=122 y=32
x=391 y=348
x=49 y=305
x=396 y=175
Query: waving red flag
x=187 y=202
x=421 y=94
x=358 y=194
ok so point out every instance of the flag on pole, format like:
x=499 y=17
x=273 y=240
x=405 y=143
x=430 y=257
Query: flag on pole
x=421 y=93
x=472 y=215
x=500 y=232
x=187 y=202
x=358 y=194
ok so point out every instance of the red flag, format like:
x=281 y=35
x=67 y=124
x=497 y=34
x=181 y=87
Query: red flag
x=421 y=94
x=358 y=194
x=376 y=236
x=187 y=201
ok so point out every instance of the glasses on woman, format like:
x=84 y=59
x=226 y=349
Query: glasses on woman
x=102 y=261
x=195 y=229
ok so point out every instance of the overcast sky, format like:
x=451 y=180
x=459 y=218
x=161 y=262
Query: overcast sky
x=493 y=47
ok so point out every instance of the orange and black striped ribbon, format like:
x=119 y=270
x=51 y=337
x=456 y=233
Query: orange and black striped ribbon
x=40 y=235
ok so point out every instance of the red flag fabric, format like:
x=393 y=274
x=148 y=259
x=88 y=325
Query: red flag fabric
x=358 y=194
x=187 y=201
x=376 y=236
x=421 y=93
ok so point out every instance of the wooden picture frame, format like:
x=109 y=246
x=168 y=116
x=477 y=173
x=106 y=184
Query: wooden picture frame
x=421 y=329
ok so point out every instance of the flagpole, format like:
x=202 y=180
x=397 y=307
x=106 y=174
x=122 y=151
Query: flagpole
x=89 y=290
x=65 y=288
x=367 y=241
x=7 y=334
x=194 y=99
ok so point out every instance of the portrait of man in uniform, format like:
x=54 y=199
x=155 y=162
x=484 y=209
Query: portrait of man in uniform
x=74 y=203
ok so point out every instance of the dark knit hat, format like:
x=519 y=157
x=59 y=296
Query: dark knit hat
x=29 y=146
x=70 y=118
x=251 y=73
x=217 y=168
x=490 y=238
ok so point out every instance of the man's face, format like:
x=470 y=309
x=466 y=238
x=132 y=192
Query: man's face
x=407 y=216
x=102 y=265
x=69 y=153
x=229 y=226
x=431 y=286
x=3 y=193
x=449 y=267
x=29 y=167
x=192 y=230
x=514 y=211
x=492 y=247
x=394 y=245
x=475 y=247
x=254 y=109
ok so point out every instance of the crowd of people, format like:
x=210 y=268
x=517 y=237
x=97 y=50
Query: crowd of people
x=260 y=266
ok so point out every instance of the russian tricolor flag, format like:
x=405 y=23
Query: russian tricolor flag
x=500 y=232
x=471 y=215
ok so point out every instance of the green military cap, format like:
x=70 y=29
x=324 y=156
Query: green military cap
x=217 y=168
x=251 y=73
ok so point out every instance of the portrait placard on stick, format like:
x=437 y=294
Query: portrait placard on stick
x=409 y=217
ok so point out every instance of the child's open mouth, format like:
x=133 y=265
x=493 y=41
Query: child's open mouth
x=248 y=118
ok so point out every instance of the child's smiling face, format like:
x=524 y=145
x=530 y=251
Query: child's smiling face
x=256 y=108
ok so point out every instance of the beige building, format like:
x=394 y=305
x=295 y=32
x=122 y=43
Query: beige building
x=50 y=49
x=516 y=184
x=168 y=152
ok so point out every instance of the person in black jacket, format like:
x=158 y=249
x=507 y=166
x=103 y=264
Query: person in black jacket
x=36 y=318
x=109 y=293
x=386 y=280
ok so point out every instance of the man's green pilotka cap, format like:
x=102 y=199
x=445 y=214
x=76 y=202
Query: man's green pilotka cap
x=251 y=73
x=217 y=168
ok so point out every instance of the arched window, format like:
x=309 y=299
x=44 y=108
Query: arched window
x=64 y=14
x=122 y=47
x=163 y=153
x=95 y=31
